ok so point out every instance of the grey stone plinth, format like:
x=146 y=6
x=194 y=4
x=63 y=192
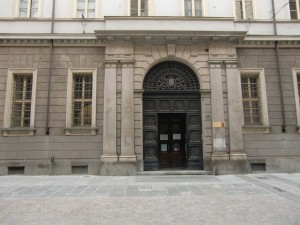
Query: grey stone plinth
x=222 y=167
x=118 y=168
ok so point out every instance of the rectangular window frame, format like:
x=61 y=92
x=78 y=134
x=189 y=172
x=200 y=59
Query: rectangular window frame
x=244 y=11
x=29 y=9
x=8 y=129
x=193 y=10
x=264 y=127
x=297 y=10
x=86 y=10
x=139 y=8
x=80 y=130
x=296 y=79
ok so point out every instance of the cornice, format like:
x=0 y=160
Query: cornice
x=268 y=44
x=56 y=42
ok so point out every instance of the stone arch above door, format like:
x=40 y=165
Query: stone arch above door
x=171 y=76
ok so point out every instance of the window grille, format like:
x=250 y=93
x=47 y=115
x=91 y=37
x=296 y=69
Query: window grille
x=251 y=99
x=82 y=99
x=193 y=7
x=188 y=7
x=144 y=7
x=139 y=7
x=198 y=8
x=294 y=9
x=21 y=104
x=28 y=8
x=86 y=8
x=243 y=9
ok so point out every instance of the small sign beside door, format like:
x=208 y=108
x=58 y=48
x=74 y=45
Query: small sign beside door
x=163 y=137
x=176 y=136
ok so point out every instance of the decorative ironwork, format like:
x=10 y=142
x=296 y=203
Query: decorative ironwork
x=179 y=105
x=150 y=152
x=150 y=121
x=193 y=105
x=164 y=105
x=194 y=120
x=194 y=152
x=195 y=136
x=150 y=136
x=171 y=76
x=149 y=105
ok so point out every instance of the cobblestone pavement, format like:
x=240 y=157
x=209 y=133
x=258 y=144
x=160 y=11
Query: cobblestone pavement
x=245 y=199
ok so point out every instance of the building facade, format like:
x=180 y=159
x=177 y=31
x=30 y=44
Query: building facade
x=115 y=87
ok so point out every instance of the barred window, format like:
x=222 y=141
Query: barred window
x=294 y=9
x=193 y=8
x=28 y=8
x=82 y=99
x=251 y=99
x=21 y=103
x=86 y=8
x=243 y=9
x=139 y=7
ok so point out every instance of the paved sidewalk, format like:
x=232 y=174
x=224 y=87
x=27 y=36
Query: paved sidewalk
x=245 y=199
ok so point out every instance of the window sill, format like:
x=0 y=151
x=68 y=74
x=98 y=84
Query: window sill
x=69 y=131
x=256 y=129
x=11 y=132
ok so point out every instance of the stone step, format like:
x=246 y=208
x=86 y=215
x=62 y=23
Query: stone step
x=174 y=172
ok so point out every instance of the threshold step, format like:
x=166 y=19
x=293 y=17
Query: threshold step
x=174 y=172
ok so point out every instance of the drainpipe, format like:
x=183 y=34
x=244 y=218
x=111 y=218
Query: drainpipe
x=283 y=128
x=50 y=69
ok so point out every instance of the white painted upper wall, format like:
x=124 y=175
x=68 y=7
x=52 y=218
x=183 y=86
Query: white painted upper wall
x=211 y=8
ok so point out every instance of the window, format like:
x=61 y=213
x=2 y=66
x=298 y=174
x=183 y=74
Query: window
x=139 y=7
x=86 y=8
x=81 y=102
x=20 y=102
x=251 y=99
x=28 y=8
x=243 y=9
x=296 y=78
x=294 y=9
x=193 y=8
x=254 y=98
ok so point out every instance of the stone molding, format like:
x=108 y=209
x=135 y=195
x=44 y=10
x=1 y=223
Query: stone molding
x=41 y=42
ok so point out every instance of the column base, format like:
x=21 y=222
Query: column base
x=238 y=156
x=232 y=163
x=128 y=158
x=114 y=166
x=220 y=156
x=109 y=158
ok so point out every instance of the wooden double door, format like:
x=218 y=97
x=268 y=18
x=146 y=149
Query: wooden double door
x=172 y=127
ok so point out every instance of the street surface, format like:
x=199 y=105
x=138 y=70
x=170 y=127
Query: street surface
x=259 y=199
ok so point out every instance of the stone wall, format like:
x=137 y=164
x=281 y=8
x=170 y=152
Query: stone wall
x=35 y=152
x=275 y=149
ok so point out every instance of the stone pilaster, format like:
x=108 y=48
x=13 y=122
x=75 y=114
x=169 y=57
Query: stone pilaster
x=110 y=113
x=235 y=112
x=218 y=120
x=127 y=114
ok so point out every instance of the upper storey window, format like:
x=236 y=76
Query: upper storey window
x=86 y=8
x=193 y=8
x=294 y=9
x=243 y=9
x=28 y=8
x=139 y=7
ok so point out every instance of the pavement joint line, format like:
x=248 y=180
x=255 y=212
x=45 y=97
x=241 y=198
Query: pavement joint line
x=284 y=180
x=278 y=191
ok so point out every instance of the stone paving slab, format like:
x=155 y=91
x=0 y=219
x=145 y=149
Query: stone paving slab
x=243 y=199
